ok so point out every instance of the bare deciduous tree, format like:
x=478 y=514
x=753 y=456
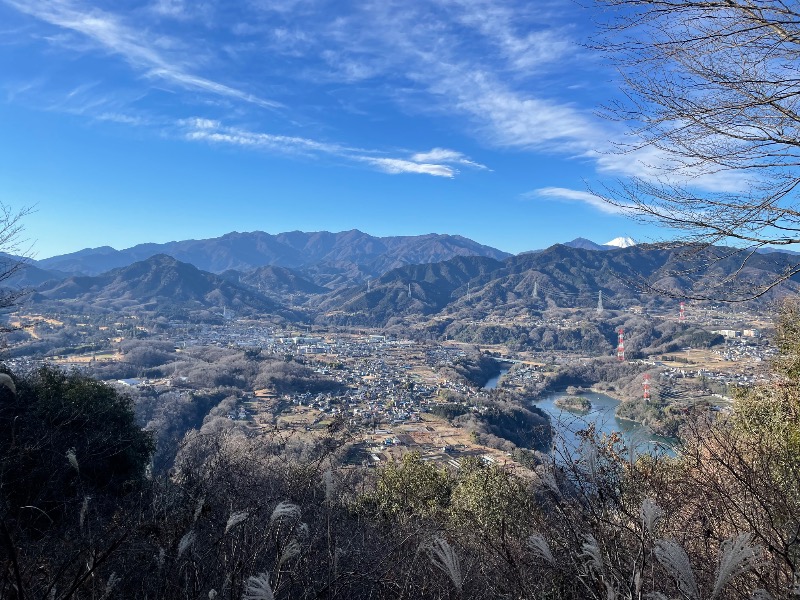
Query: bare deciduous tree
x=712 y=98
x=14 y=252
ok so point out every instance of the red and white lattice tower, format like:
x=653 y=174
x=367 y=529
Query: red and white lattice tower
x=621 y=346
x=682 y=314
x=646 y=387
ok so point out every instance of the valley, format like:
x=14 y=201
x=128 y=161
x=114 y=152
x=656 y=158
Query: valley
x=422 y=300
x=398 y=360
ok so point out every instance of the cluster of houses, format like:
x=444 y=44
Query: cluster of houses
x=739 y=350
x=724 y=378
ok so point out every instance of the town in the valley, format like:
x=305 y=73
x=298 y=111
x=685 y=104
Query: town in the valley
x=392 y=393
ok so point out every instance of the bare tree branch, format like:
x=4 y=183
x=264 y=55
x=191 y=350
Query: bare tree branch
x=712 y=90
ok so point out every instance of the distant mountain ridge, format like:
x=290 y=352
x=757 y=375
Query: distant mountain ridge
x=22 y=272
x=561 y=275
x=458 y=288
x=272 y=280
x=585 y=244
x=354 y=255
x=618 y=242
x=422 y=289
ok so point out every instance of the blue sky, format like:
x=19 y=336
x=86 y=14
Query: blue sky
x=126 y=122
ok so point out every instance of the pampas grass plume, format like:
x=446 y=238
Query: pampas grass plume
x=285 y=510
x=84 y=510
x=73 y=460
x=199 y=508
x=736 y=556
x=235 y=519
x=258 y=588
x=591 y=551
x=538 y=545
x=650 y=513
x=186 y=541
x=445 y=558
x=327 y=479
x=674 y=559
x=291 y=550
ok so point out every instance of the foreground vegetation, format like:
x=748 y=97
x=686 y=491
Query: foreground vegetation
x=264 y=517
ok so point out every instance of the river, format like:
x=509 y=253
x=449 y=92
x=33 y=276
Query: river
x=566 y=424
x=492 y=383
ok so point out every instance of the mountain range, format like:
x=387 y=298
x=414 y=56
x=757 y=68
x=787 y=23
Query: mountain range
x=458 y=288
x=559 y=276
x=326 y=258
x=356 y=278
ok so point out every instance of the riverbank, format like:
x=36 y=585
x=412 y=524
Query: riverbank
x=613 y=395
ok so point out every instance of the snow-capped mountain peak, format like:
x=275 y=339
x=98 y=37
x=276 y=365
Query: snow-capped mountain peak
x=621 y=242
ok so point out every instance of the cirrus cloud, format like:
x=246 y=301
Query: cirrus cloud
x=436 y=162
x=568 y=195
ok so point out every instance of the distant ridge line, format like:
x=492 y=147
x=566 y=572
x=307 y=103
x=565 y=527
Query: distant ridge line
x=359 y=254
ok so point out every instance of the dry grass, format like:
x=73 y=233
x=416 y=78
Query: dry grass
x=705 y=359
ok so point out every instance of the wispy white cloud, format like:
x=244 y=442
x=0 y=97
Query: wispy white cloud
x=423 y=50
x=175 y=9
x=17 y=89
x=280 y=143
x=396 y=166
x=499 y=87
x=481 y=65
x=654 y=164
x=514 y=119
x=134 y=45
x=200 y=83
x=491 y=61
x=123 y=119
x=443 y=155
x=170 y=8
x=281 y=6
x=568 y=195
x=507 y=28
x=421 y=43
x=199 y=123
x=90 y=100
x=207 y=130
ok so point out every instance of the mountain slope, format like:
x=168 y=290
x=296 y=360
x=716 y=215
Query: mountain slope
x=159 y=281
x=275 y=281
x=560 y=276
x=414 y=289
x=585 y=244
